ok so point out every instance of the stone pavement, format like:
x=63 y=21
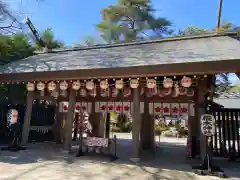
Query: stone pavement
x=48 y=162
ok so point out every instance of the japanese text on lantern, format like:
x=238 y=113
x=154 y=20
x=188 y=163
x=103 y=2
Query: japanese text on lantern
x=208 y=124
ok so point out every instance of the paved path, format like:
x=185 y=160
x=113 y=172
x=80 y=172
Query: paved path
x=43 y=162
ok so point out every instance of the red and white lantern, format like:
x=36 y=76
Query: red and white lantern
x=114 y=92
x=166 y=109
x=63 y=106
x=83 y=92
x=175 y=109
x=51 y=86
x=158 y=108
x=63 y=86
x=186 y=82
x=151 y=83
x=184 y=109
x=90 y=85
x=182 y=90
x=118 y=106
x=84 y=107
x=175 y=92
x=76 y=85
x=134 y=83
x=190 y=92
x=104 y=92
x=40 y=86
x=78 y=107
x=30 y=86
x=126 y=91
x=160 y=92
x=167 y=83
x=166 y=91
x=103 y=106
x=111 y=107
x=104 y=84
x=126 y=107
x=119 y=84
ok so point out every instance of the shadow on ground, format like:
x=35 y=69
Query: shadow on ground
x=167 y=162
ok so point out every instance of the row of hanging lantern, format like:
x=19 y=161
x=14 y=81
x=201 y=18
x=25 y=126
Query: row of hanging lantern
x=186 y=82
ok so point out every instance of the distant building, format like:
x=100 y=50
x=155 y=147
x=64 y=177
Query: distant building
x=228 y=102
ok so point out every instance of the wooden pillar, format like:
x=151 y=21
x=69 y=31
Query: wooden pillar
x=27 y=117
x=57 y=125
x=201 y=91
x=69 y=120
x=136 y=125
x=147 y=135
x=94 y=120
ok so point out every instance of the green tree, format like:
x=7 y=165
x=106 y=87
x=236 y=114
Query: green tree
x=14 y=47
x=48 y=37
x=191 y=30
x=129 y=20
x=222 y=80
x=90 y=40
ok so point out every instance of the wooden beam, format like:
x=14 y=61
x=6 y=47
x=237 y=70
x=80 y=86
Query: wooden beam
x=27 y=117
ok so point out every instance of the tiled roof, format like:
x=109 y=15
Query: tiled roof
x=229 y=102
x=157 y=52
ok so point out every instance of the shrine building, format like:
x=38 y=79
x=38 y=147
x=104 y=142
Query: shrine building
x=166 y=77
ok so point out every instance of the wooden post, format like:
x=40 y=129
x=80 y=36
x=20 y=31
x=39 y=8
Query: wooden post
x=57 y=125
x=201 y=91
x=27 y=117
x=219 y=16
x=136 y=125
x=147 y=135
x=69 y=120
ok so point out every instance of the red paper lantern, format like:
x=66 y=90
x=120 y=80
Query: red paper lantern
x=186 y=82
x=166 y=110
x=158 y=109
x=126 y=108
x=65 y=107
x=175 y=110
x=103 y=108
x=110 y=108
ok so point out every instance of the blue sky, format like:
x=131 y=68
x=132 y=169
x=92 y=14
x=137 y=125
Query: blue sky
x=72 y=19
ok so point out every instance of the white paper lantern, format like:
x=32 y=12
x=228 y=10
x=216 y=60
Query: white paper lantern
x=40 y=86
x=63 y=86
x=51 y=86
x=151 y=83
x=76 y=85
x=167 y=83
x=119 y=84
x=104 y=84
x=90 y=85
x=30 y=86
x=186 y=82
x=134 y=83
x=83 y=92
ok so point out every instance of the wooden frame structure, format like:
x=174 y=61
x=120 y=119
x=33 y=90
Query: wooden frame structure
x=200 y=57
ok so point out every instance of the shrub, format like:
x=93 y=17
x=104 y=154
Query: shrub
x=123 y=124
x=161 y=127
